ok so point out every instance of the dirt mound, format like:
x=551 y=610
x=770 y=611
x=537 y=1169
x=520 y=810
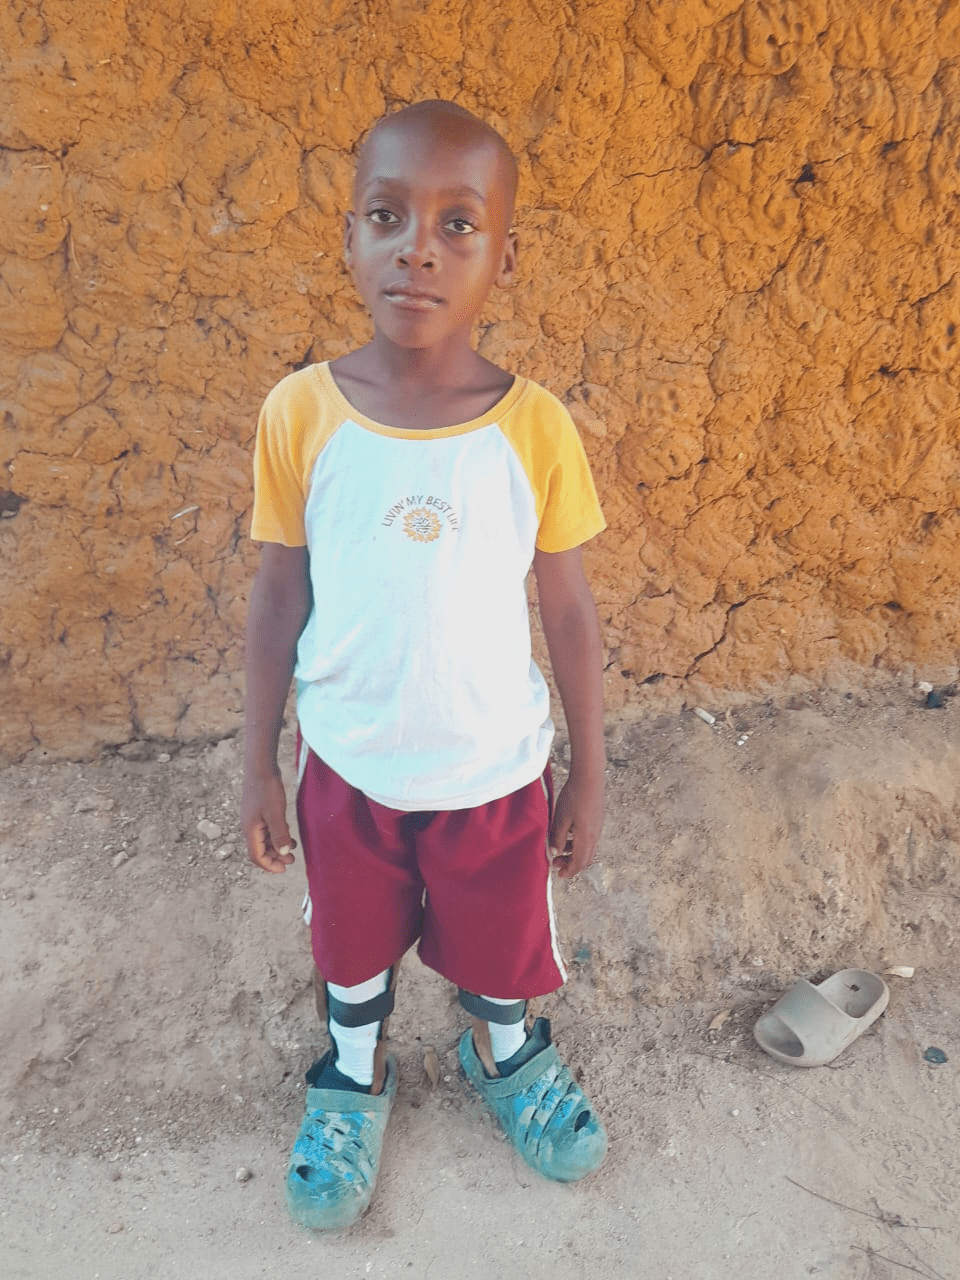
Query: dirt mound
x=158 y=1016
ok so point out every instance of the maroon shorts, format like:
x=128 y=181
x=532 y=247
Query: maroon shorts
x=473 y=885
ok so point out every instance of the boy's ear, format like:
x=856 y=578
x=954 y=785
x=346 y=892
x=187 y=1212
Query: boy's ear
x=349 y=223
x=508 y=265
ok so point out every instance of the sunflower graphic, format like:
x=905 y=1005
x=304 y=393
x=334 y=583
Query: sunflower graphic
x=421 y=525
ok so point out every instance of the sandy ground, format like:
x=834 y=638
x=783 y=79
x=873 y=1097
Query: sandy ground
x=157 y=1019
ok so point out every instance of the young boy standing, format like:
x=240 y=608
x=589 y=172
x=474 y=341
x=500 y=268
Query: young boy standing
x=403 y=492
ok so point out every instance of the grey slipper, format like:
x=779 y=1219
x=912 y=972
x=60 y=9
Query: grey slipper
x=809 y=1025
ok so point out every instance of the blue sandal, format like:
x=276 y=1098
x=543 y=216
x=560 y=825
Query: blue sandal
x=542 y=1109
x=336 y=1156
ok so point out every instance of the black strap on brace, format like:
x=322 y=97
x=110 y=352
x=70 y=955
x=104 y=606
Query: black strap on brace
x=359 y=1015
x=504 y=1014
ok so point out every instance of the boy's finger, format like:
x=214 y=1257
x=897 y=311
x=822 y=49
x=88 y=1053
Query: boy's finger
x=264 y=853
x=565 y=862
x=561 y=834
x=278 y=840
x=577 y=859
x=276 y=861
x=567 y=866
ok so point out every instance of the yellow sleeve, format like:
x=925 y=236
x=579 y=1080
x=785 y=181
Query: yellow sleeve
x=542 y=434
x=295 y=422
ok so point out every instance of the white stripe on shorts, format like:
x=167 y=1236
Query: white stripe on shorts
x=306 y=907
x=554 y=940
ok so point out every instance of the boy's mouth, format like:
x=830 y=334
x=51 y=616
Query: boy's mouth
x=412 y=299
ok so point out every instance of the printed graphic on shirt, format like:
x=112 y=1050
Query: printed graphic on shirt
x=423 y=516
x=422 y=525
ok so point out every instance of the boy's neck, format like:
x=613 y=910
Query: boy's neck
x=420 y=388
x=421 y=369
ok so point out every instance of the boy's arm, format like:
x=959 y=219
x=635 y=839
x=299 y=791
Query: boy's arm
x=572 y=631
x=279 y=606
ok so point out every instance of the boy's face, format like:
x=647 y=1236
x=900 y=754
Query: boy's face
x=429 y=236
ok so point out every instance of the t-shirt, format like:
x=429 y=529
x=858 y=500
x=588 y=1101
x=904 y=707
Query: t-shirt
x=415 y=680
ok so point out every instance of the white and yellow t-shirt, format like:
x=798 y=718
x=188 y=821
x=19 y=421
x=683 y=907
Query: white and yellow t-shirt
x=415 y=680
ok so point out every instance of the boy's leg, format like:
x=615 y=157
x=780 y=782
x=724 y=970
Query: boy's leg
x=498 y=1026
x=364 y=910
x=488 y=927
x=488 y=922
x=357 y=1019
x=364 y=902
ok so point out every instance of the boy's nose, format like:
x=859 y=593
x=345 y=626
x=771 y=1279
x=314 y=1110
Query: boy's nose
x=418 y=248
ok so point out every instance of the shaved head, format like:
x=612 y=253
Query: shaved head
x=448 y=125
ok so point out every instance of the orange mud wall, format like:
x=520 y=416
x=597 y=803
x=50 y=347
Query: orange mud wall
x=739 y=226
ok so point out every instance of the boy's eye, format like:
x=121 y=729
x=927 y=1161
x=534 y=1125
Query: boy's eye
x=383 y=217
x=461 y=226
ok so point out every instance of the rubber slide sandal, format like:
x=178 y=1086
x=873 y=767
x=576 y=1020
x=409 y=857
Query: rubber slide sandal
x=809 y=1025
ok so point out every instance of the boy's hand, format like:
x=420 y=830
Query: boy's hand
x=279 y=605
x=263 y=812
x=573 y=639
x=576 y=826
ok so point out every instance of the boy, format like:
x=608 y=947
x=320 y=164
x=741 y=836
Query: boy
x=402 y=493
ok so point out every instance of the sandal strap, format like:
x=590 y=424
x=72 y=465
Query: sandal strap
x=546 y=1064
x=346 y=1102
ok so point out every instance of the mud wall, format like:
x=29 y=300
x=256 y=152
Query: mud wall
x=739 y=226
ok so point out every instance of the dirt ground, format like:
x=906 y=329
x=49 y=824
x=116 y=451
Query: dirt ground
x=157 y=1019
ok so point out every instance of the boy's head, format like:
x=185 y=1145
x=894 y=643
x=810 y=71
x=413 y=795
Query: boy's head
x=429 y=234
x=443 y=122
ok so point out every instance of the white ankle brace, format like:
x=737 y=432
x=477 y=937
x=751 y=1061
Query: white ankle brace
x=356 y=1045
x=505 y=1039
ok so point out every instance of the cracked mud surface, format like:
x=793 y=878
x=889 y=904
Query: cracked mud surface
x=738 y=255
